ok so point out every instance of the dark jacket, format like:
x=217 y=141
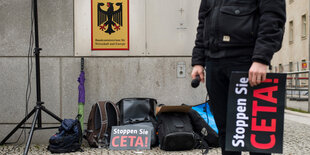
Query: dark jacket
x=234 y=28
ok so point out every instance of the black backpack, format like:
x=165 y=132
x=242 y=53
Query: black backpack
x=175 y=131
x=102 y=117
x=68 y=139
x=201 y=127
x=139 y=112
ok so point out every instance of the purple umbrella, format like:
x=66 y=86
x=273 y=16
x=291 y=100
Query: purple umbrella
x=81 y=81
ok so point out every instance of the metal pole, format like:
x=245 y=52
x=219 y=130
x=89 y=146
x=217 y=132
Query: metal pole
x=31 y=131
x=37 y=50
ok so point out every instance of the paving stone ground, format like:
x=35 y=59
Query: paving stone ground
x=296 y=142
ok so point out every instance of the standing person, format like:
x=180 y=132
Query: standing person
x=235 y=35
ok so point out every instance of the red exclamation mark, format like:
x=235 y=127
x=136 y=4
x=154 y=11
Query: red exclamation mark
x=146 y=140
x=267 y=81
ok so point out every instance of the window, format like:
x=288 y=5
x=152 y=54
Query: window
x=304 y=26
x=281 y=68
x=291 y=32
x=291 y=66
x=304 y=64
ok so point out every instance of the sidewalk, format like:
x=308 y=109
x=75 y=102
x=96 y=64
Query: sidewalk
x=303 y=118
x=296 y=142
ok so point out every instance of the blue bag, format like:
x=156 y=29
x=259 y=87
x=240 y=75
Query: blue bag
x=205 y=112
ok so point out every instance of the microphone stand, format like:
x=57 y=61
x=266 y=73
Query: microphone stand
x=37 y=119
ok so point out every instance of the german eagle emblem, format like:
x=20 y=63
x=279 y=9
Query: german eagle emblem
x=110 y=17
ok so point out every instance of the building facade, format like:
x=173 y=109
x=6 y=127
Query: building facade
x=157 y=65
x=294 y=54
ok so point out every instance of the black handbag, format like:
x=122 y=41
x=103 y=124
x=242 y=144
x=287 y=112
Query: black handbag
x=139 y=112
x=134 y=110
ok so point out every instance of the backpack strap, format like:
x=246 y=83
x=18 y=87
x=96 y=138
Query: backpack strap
x=103 y=134
x=94 y=126
x=103 y=119
x=117 y=112
x=201 y=144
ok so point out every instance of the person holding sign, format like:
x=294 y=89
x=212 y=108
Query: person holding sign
x=235 y=35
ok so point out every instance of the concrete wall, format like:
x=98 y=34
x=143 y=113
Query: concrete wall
x=107 y=78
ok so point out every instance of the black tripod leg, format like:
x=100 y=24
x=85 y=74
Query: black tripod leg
x=35 y=118
x=51 y=114
x=17 y=127
x=39 y=119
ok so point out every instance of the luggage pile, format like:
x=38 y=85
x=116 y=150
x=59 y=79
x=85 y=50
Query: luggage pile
x=169 y=125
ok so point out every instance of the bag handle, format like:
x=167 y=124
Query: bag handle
x=132 y=121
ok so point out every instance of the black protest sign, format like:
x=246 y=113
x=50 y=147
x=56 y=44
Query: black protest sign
x=130 y=138
x=255 y=115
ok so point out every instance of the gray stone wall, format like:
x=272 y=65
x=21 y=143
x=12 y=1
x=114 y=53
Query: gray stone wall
x=107 y=78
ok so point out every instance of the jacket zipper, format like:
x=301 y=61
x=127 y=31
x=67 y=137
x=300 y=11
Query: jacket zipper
x=215 y=22
x=213 y=17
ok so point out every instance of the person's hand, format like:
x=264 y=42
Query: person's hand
x=198 y=70
x=257 y=73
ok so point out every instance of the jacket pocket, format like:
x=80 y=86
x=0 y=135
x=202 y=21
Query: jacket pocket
x=237 y=26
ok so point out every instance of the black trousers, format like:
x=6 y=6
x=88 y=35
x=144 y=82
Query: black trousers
x=218 y=73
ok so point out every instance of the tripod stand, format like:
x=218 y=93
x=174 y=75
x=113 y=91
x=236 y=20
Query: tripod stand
x=37 y=119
